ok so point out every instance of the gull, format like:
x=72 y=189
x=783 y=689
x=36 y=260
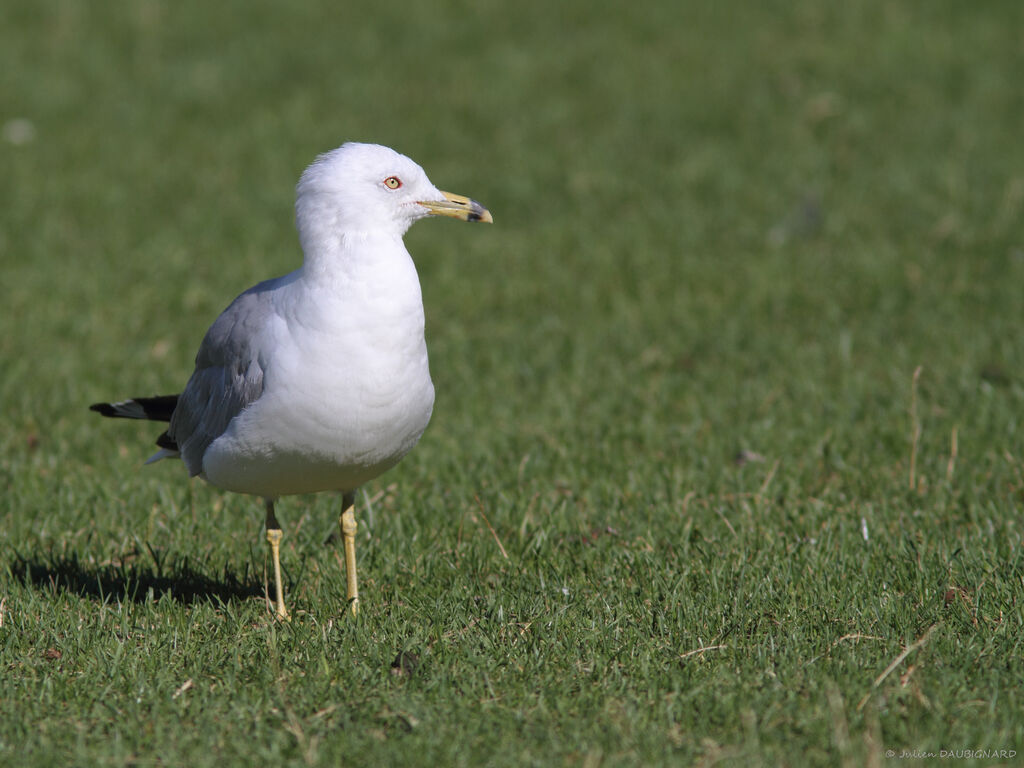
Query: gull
x=317 y=380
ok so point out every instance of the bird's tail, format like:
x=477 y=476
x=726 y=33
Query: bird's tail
x=157 y=408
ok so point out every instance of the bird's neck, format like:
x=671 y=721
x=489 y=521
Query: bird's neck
x=352 y=256
x=334 y=243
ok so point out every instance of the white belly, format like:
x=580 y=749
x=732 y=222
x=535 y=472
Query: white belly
x=308 y=438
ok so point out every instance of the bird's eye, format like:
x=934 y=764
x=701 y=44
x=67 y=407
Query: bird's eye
x=392 y=182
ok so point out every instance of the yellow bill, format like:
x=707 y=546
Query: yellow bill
x=458 y=207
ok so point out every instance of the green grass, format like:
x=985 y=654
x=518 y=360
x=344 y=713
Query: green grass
x=720 y=228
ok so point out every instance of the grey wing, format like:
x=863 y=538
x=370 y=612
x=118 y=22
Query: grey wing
x=227 y=378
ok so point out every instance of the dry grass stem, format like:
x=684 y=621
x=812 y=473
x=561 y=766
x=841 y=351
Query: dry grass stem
x=915 y=427
x=491 y=528
x=899 y=660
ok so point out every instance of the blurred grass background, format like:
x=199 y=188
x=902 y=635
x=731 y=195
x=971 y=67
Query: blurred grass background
x=676 y=377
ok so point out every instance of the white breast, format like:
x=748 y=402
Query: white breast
x=346 y=388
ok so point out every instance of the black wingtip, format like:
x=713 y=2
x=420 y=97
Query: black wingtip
x=159 y=408
x=167 y=442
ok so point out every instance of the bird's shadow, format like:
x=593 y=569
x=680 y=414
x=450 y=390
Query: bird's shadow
x=134 y=581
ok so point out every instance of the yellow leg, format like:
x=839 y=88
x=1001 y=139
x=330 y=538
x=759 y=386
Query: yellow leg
x=274 y=535
x=348 y=532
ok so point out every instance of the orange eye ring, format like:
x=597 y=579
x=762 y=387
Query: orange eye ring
x=392 y=182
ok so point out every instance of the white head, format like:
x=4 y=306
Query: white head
x=370 y=188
